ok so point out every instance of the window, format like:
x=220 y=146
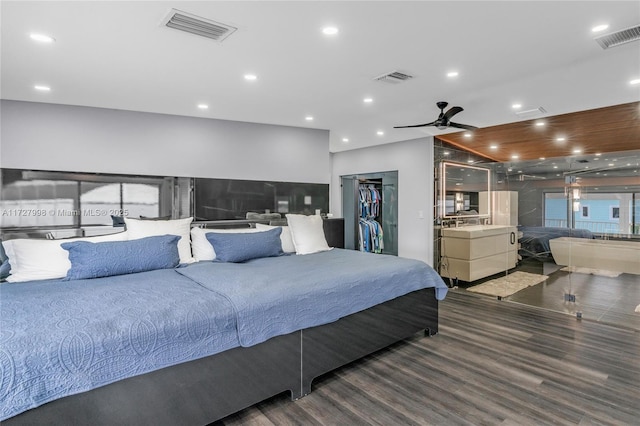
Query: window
x=614 y=212
x=52 y=199
x=585 y=212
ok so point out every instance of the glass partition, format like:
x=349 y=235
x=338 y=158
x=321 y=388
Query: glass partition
x=578 y=232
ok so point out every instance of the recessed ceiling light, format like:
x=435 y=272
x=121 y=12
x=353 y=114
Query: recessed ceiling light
x=598 y=154
x=367 y=100
x=555 y=167
x=515 y=156
x=561 y=139
x=345 y=140
x=42 y=88
x=635 y=81
x=250 y=77
x=330 y=31
x=493 y=146
x=611 y=164
x=43 y=38
x=542 y=158
x=540 y=123
x=469 y=161
x=380 y=133
x=203 y=106
x=452 y=74
x=446 y=153
x=308 y=118
x=577 y=151
x=467 y=134
x=516 y=106
x=599 y=28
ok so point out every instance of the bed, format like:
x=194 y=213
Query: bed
x=193 y=344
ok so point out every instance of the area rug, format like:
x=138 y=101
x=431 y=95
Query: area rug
x=508 y=285
x=599 y=272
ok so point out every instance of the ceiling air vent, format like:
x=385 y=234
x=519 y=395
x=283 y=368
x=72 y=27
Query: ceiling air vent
x=619 y=37
x=531 y=113
x=394 y=77
x=197 y=25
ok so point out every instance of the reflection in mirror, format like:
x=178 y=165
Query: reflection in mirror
x=465 y=190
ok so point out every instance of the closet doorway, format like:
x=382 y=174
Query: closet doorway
x=370 y=211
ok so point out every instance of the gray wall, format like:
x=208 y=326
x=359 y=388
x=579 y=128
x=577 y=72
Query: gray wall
x=414 y=162
x=71 y=138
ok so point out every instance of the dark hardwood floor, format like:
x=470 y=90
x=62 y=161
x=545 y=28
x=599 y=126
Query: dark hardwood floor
x=493 y=362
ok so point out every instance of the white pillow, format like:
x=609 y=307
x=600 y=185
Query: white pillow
x=44 y=259
x=285 y=237
x=202 y=248
x=137 y=228
x=307 y=233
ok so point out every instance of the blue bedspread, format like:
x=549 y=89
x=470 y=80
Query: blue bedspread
x=279 y=295
x=59 y=338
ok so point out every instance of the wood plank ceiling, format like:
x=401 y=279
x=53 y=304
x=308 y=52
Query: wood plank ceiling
x=602 y=130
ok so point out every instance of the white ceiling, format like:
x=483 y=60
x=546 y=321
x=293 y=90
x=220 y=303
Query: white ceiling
x=117 y=55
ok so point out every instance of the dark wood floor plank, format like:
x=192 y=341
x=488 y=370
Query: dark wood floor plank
x=493 y=362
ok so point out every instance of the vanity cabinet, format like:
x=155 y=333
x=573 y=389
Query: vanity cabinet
x=473 y=252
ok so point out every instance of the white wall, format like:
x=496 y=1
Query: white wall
x=414 y=162
x=70 y=138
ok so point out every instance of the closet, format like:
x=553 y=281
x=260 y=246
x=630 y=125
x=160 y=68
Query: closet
x=370 y=211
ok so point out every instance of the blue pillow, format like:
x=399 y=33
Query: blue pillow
x=238 y=247
x=94 y=260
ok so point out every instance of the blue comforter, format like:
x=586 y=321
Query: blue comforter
x=59 y=338
x=274 y=296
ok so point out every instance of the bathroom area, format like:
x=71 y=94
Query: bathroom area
x=551 y=233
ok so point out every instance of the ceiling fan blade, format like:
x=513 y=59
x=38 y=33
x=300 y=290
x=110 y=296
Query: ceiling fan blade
x=452 y=111
x=415 y=125
x=462 y=126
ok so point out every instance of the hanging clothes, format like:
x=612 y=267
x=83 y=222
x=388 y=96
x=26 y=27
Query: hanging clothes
x=369 y=230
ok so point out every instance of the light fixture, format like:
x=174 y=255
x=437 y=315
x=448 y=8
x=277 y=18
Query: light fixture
x=446 y=153
x=577 y=151
x=380 y=133
x=452 y=74
x=494 y=147
x=467 y=134
x=469 y=161
x=598 y=154
x=367 y=100
x=330 y=31
x=561 y=139
x=42 y=88
x=599 y=28
x=43 y=38
x=250 y=77
x=516 y=106
x=543 y=158
x=635 y=81
x=515 y=156
x=345 y=140
x=308 y=118
x=203 y=106
x=540 y=123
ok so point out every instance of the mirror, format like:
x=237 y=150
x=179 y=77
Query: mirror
x=465 y=190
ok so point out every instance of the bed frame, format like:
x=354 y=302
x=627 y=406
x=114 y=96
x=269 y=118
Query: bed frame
x=202 y=391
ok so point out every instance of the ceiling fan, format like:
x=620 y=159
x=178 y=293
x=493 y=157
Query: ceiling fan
x=444 y=119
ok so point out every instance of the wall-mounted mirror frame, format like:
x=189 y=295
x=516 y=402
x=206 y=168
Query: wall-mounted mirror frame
x=463 y=190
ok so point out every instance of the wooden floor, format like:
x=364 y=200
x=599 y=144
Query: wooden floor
x=493 y=362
